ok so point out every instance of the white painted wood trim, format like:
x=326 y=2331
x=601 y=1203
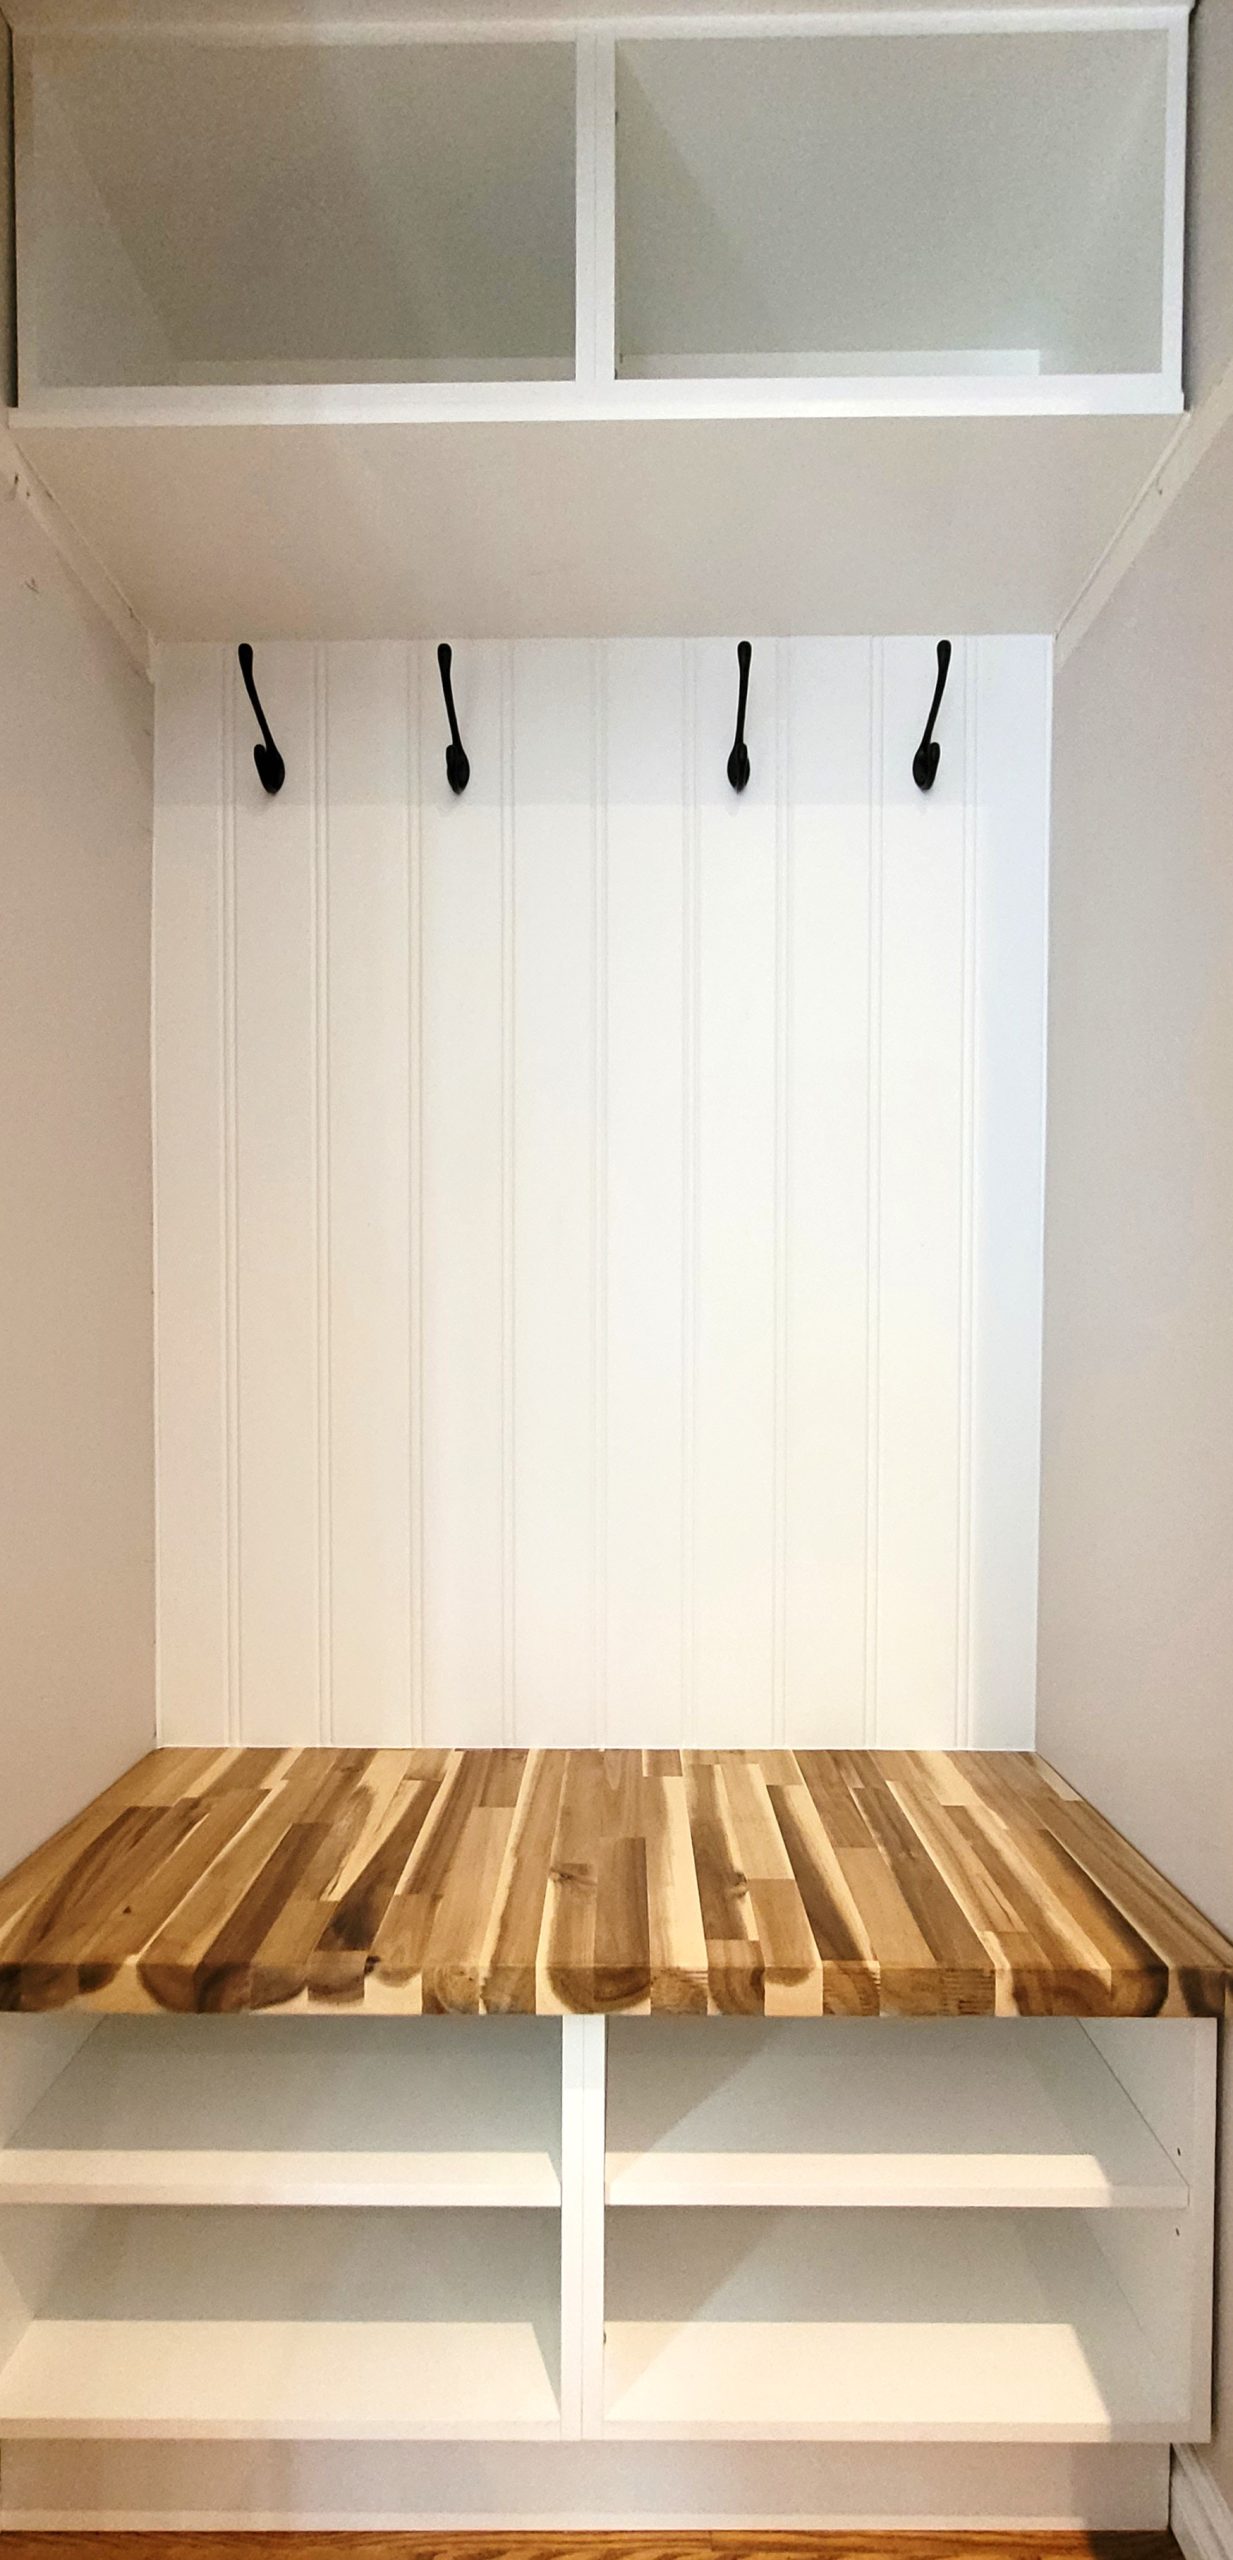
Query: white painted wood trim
x=1199 y=2226
x=1172 y=291
x=595 y=254
x=515 y=403
x=1087 y=17
x=95 y=582
x=1199 y=2513
x=582 y=2225
x=1194 y=437
x=800 y=2488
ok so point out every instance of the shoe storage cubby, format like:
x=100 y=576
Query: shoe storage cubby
x=872 y=215
x=220 y=2323
x=906 y=2229
x=889 y=2230
x=294 y=2111
x=874 y=2325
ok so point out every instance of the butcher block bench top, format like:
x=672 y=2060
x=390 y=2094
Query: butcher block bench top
x=794 y=1883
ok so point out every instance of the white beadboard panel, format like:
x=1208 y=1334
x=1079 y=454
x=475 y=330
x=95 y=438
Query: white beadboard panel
x=599 y=1216
x=732 y=967
x=922 y=1177
x=826 y=1046
x=464 y=1194
x=557 y=1174
x=193 y=1071
x=367 y=986
x=280 y=1207
x=641 y=1201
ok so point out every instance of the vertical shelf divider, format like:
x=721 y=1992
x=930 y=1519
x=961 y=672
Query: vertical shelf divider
x=583 y=2054
x=595 y=242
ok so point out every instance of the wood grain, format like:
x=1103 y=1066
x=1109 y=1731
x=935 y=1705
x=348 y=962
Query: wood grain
x=809 y=1883
x=1024 y=2545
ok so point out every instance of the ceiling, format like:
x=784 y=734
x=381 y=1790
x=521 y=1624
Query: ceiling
x=604 y=528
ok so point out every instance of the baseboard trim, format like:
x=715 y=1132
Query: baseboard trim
x=1199 y=2513
x=571 y=2488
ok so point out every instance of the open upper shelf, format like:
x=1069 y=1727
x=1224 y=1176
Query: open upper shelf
x=297 y=213
x=864 y=216
x=987 y=205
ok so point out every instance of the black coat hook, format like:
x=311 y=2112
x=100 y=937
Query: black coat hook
x=270 y=767
x=928 y=755
x=457 y=767
x=738 y=761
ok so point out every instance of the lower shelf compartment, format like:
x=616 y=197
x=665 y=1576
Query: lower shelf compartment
x=297 y=2111
x=965 y=2112
x=873 y=2326
x=295 y=2324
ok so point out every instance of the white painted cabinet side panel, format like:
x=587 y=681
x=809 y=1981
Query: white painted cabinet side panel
x=599 y=1214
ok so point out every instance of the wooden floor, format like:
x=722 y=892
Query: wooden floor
x=795 y=1883
x=590 y=2546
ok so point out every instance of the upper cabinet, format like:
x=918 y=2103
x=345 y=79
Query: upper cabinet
x=867 y=213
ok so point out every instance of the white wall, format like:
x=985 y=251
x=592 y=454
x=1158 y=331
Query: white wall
x=599 y=1217
x=1137 y=1511
x=76 y=1435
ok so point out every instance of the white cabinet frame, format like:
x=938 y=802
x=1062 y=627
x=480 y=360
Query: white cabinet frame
x=747 y=2345
x=596 y=392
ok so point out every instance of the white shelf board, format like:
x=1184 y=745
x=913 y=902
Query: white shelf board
x=298 y=2111
x=271 y=2326
x=373 y=399
x=968 y=2112
x=874 y=2328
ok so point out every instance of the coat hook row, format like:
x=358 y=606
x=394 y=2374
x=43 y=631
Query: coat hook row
x=272 y=772
x=925 y=762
